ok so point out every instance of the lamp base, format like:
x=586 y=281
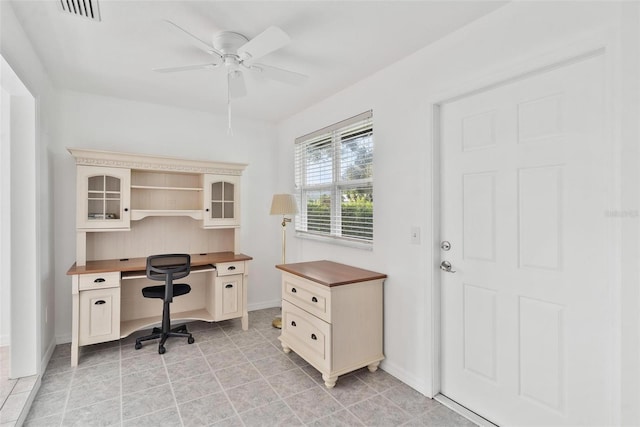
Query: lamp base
x=277 y=323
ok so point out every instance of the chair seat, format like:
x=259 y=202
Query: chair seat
x=158 y=291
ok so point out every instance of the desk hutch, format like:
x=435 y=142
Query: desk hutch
x=130 y=206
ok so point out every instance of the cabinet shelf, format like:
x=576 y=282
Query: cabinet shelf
x=154 y=187
x=138 y=214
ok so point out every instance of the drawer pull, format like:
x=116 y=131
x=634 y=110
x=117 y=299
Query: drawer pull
x=314 y=337
x=314 y=299
x=233 y=267
x=99 y=280
x=293 y=290
x=229 y=286
x=293 y=323
x=100 y=302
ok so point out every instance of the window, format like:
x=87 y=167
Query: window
x=334 y=181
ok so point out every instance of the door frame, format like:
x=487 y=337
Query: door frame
x=603 y=43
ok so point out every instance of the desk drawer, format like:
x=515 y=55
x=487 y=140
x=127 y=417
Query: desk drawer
x=307 y=335
x=229 y=268
x=99 y=280
x=308 y=296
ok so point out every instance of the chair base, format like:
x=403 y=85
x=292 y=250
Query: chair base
x=178 y=331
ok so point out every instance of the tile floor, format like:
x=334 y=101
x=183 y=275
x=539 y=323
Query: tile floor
x=14 y=393
x=229 y=377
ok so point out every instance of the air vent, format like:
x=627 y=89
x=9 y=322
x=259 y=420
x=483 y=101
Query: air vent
x=84 y=8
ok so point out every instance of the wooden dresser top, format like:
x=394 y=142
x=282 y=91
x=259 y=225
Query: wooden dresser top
x=330 y=273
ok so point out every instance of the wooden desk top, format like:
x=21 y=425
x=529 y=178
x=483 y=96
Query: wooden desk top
x=330 y=273
x=139 y=264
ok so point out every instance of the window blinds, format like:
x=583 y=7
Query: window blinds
x=334 y=180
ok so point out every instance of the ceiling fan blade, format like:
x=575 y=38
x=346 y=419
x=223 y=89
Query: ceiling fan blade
x=278 y=74
x=209 y=66
x=199 y=43
x=237 y=87
x=273 y=38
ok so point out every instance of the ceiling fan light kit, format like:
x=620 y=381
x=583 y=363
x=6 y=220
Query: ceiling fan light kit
x=237 y=53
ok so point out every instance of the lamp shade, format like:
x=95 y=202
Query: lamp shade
x=284 y=204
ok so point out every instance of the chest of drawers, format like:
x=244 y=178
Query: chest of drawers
x=332 y=316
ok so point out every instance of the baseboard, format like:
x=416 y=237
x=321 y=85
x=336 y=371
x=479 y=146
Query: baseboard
x=263 y=305
x=47 y=355
x=63 y=339
x=406 y=377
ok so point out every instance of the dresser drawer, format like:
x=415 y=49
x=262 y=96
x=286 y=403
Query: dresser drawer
x=228 y=268
x=306 y=335
x=308 y=296
x=99 y=280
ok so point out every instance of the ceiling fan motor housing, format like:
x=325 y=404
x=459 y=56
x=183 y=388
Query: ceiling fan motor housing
x=228 y=42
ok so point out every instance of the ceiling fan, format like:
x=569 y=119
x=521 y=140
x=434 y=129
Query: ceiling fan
x=237 y=54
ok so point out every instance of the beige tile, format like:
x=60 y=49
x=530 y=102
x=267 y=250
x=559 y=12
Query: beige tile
x=48 y=404
x=139 y=381
x=291 y=382
x=237 y=375
x=275 y=414
x=411 y=401
x=192 y=388
x=379 y=411
x=251 y=395
x=135 y=405
x=13 y=406
x=350 y=390
x=25 y=384
x=312 y=404
x=165 y=418
x=105 y=413
x=206 y=410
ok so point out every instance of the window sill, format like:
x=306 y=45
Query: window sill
x=367 y=246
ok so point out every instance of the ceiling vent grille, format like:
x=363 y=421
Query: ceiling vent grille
x=84 y=8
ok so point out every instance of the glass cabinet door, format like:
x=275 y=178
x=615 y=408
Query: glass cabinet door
x=103 y=197
x=221 y=201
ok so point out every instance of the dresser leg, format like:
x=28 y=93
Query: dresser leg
x=330 y=382
x=373 y=367
x=285 y=348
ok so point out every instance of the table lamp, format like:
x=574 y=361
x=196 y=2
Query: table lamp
x=283 y=204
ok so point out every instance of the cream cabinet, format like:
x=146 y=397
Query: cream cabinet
x=332 y=316
x=228 y=302
x=229 y=293
x=103 y=198
x=221 y=201
x=99 y=315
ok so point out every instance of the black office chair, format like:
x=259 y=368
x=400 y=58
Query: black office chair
x=167 y=268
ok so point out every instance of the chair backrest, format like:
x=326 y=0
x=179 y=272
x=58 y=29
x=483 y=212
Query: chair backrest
x=168 y=267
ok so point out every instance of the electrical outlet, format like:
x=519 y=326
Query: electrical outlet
x=415 y=235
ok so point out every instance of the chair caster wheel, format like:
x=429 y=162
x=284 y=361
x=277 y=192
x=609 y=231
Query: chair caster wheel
x=138 y=346
x=161 y=349
x=190 y=340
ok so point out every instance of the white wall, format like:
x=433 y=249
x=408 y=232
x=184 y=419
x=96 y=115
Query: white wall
x=5 y=226
x=32 y=182
x=400 y=97
x=105 y=123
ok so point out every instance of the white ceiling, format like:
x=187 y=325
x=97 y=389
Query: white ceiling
x=336 y=43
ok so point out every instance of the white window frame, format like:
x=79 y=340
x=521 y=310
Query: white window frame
x=336 y=187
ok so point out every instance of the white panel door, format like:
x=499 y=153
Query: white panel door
x=525 y=325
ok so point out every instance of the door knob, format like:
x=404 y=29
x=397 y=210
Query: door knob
x=446 y=266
